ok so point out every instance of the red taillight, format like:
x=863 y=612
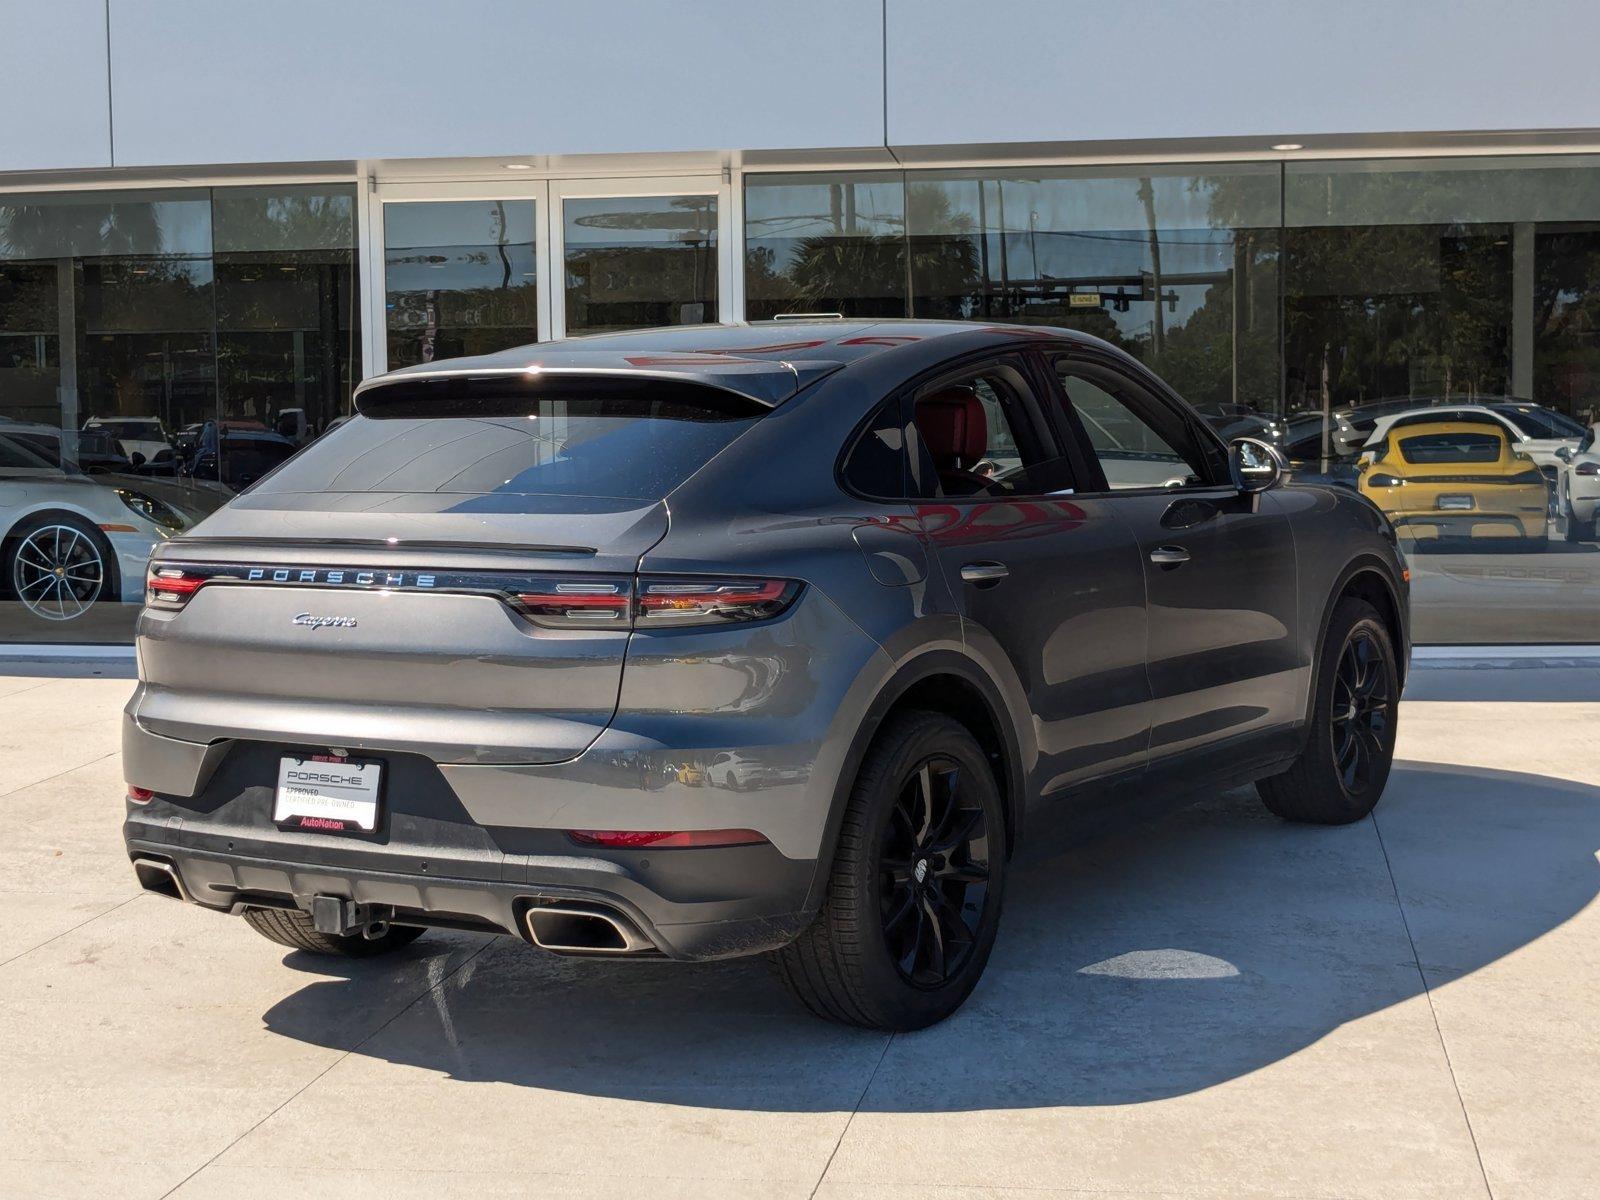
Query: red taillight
x=170 y=587
x=691 y=601
x=635 y=839
x=558 y=601
x=658 y=600
x=139 y=795
x=600 y=603
x=1586 y=468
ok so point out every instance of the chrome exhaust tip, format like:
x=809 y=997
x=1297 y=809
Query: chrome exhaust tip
x=583 y=929
x=162 y=878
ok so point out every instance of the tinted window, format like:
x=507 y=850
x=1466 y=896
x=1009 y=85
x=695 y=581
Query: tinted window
x=1530 y=424
x=18 y=455
x=637 y=442
x=1132 y=453
x=876 y=465
x=245 y=460
x=1543 y=422
x=977 y=436
x=1451 y=448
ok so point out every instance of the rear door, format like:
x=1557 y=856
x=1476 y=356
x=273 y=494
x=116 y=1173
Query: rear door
x=1048 y=581
x=449 y=573
x=1219 y=566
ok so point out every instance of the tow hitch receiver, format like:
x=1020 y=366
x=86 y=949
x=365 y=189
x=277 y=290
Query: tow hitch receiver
x=336 y=915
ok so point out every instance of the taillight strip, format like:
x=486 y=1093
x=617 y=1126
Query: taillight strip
x=557 y=600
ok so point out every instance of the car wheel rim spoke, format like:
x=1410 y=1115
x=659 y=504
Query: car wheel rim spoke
x=58 y=573
x=933 y=874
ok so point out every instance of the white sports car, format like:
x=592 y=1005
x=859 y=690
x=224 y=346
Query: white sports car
x=1579 y=489
x=68 y=540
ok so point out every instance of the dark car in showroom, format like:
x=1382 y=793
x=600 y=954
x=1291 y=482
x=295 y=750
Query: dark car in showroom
x=777 y=638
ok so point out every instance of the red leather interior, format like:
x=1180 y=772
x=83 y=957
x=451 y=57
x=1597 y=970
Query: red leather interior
x=953 y=427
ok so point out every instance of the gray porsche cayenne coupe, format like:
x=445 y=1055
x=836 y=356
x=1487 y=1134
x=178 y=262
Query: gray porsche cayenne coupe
x=778 y=638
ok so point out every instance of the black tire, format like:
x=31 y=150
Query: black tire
x=86 y=551
x=294 y=929
x=910 y=915
x=1341 y=772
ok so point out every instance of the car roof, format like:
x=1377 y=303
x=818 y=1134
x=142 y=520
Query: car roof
x=764 y=361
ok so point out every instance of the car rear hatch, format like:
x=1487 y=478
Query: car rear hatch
x=451 y=572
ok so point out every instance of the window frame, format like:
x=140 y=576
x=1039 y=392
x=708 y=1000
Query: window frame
x=1145 y=395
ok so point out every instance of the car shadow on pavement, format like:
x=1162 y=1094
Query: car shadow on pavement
x=1187 y=952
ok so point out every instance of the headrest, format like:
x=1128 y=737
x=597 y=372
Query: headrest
x=954 y=426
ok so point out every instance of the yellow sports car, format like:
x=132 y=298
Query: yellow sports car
x=1456 y=479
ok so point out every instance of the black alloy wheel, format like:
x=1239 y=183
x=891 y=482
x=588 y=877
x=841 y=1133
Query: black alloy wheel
x=914 y=891
x=933 y=875
x=1363 y=701
x=1341 y=771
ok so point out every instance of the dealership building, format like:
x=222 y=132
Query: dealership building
x=217 y=219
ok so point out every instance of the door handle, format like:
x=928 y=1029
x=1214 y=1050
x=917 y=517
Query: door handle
x=1169 y=556
x=984 y=572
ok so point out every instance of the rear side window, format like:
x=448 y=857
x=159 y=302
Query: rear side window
x=1451 y=448
x=518 y=440
x=876 y=465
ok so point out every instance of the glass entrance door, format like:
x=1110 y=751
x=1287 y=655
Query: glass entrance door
x=462 y=271
x=638 y=254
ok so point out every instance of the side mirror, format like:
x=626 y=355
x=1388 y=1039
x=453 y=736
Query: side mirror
x=1255 y=465
x=137 y=459
x=1564 y=453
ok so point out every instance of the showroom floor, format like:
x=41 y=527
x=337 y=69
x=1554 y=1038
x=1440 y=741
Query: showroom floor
x=1217 y=1005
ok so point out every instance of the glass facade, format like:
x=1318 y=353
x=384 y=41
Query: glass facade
x=162 y=348
x=460 y=277
x=1318 y=305
x=158 y=351
x=825 y=244
x=635 y=261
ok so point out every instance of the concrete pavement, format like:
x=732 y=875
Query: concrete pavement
x=1215 y=1005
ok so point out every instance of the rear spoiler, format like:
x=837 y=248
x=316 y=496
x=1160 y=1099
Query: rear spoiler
x=765 y=383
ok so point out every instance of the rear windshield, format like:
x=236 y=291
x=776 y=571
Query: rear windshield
x=622 y=439
x=1451 y=448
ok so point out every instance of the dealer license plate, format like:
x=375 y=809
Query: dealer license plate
x=326 y=794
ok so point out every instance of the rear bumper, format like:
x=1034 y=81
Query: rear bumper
x=684 y=904
x=723 y=728
x=1470 y=524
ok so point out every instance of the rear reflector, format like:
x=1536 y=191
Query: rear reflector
x=633 y=839
x=139 y=795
